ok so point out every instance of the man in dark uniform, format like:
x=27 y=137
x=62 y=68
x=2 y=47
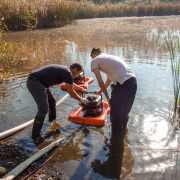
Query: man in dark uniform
x=39 y=83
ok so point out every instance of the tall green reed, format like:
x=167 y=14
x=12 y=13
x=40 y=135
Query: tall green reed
x=174 y=51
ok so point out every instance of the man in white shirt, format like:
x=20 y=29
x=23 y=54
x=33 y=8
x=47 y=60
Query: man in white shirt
x=123 y=86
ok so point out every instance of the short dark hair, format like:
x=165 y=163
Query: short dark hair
x=76 y=65
x=96 y=51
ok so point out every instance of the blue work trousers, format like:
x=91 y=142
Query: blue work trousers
x=43 y=97
x=122 y=98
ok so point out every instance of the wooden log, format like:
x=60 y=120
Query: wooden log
x=22 y=126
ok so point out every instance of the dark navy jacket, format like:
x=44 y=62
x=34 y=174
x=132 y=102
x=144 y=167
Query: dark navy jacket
x=53 y=74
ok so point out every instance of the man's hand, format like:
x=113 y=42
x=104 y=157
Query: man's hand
x=84 y=101
x=84 y=90
x=98 y=92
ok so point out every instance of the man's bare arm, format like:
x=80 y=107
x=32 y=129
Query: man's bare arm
x=107 y=83
x=76 y=87
x=72 y=92
x=101 y=82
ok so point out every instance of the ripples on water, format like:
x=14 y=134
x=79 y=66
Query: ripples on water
x=96 y=153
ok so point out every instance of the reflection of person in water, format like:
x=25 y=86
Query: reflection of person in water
x=113 y=166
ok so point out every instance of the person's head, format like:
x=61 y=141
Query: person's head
x=76 y=68
x=95 y=52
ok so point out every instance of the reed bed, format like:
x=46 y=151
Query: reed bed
x=21 y=14
x=31 y=14
x=88 y=9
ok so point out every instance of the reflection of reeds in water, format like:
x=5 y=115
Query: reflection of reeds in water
x=49 y=13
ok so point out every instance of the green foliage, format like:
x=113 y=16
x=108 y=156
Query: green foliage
x=30 y=20
x=8 y=53
x=3 y=26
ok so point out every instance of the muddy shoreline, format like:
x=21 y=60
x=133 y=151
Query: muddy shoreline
x=12 y=155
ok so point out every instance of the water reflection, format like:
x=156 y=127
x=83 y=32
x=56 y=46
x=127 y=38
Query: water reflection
x=114 y=167
x=51 y=131
x=126 y=37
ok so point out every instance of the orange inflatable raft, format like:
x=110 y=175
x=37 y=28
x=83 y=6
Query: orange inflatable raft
x=100 y=120
x=88 y=80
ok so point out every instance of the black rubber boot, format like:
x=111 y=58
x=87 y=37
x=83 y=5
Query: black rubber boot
x=52 y=115
x=125 y=122
x=38 y=123
x=116 y=127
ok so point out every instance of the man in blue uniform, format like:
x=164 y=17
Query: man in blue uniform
x=39 y=83
x=123 y=85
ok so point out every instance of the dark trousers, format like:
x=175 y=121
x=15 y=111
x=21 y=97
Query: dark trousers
x=43 y=97
x=122 y=98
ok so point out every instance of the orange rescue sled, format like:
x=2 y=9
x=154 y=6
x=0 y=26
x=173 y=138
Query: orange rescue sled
x=88 y=80
x=100 y=120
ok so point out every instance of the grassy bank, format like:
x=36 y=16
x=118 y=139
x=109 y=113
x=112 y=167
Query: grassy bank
x=23 y=14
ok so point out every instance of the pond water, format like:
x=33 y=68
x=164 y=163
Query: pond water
x=149 y=150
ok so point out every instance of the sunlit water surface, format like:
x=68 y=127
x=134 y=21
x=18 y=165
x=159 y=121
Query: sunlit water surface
x=148 y=151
